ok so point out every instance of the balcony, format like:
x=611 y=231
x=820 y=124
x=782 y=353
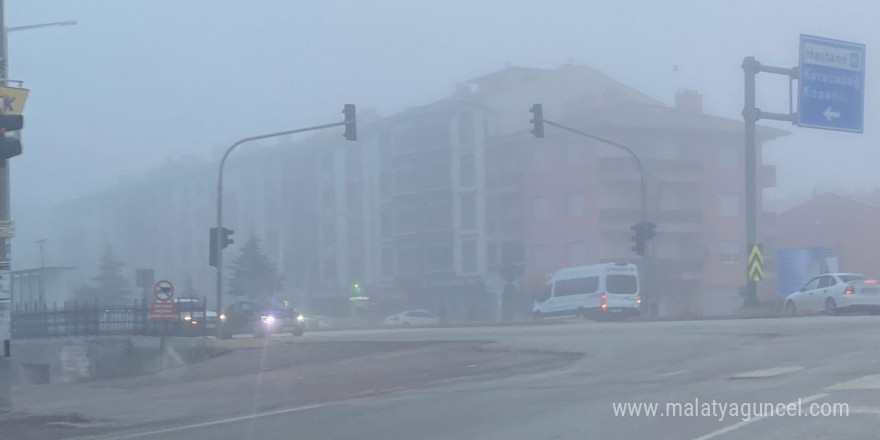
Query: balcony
x=616 y=165
x=626 y=215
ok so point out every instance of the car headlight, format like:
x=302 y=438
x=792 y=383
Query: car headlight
x=222 y=317
x=267 y=319
x=187 y=317
x=300 y=318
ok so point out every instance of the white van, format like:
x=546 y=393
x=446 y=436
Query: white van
x=595 y=291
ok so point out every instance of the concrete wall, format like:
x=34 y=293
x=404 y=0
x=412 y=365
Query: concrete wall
x=77 y=359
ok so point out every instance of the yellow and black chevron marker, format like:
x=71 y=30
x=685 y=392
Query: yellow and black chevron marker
x=755 y=265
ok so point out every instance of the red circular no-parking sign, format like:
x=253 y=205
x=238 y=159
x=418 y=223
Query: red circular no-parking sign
x=163 y=290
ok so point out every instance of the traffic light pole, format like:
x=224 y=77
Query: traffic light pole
x=643 y=190
x=5 y=264
x=751 y=114
x=349 y=122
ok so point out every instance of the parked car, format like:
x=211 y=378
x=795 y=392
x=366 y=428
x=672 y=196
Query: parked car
x=260 y=318
x=834 y=293
x=412 y=317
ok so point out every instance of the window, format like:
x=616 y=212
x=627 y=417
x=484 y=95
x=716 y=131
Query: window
x=439 y=258
x=407 y=260
x=539 y=160
x=436 y=216
x=542 y=257
x=492 y=254
x=405 y=221
x=621 y=284
x=469 y=256
x=466 y=129
x=728 y=156
x=385 y=188
x=405 y=180
x=576 y=286
x=542 y=208
x=386 y=222
x=468 y=211
x=812 y=284
x=730 y=251
x=387 y=262
x=468 y=172
x=545 y=294
x=576 y=205
x=574 y=155
x=729 y=204
x=437 y=175
x=577 y=254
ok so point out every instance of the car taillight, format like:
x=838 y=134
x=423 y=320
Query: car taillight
x=602 y=301
x=849 y=290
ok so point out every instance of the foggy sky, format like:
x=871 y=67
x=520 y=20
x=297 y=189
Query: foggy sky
x=135 y=83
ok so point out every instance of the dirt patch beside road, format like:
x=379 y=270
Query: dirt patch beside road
x=279 y=375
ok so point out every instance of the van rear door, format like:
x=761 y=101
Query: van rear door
x=622 y=290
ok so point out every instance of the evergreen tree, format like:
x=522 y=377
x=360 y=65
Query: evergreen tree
x=111 y=287
x=253 y=274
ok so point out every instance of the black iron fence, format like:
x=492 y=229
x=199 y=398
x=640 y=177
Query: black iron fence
x=79 y=318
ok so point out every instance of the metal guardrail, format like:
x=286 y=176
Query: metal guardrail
x=78 y=318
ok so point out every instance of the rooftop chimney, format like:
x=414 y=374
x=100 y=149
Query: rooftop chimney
x=689 y=101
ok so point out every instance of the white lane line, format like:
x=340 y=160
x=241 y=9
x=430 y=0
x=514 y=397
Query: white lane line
x=742 y=423
x=217 y=422
x=869 y=382
x=671 y=373
x=765 y=373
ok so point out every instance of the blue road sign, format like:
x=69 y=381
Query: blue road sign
x=831 y=84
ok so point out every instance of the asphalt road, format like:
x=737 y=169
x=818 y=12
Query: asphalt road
x=562 y=381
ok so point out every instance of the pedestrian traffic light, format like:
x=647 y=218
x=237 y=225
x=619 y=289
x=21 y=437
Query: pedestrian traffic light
x=537 y=121
x=10 y=146
x=350 y=122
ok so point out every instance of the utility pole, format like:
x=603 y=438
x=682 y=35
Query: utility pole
x=5 y=265
x=6 y=227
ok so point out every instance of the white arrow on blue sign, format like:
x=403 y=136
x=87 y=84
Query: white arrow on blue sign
x=831 y=84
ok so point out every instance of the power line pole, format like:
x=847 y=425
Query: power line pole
x=5 y=265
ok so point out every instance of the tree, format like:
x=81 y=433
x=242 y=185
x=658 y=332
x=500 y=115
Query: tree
x=253 y=274
x=111 y=287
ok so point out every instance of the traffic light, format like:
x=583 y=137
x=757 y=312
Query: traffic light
x=639 y=238
x=225 y=238
x=537 y=121
x=213 y=249
x=10 y=146
x=350 y=122
x=650 y=230
x=642 y=232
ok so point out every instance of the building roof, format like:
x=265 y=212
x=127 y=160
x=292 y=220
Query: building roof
x=661 y=117
x=831 y=202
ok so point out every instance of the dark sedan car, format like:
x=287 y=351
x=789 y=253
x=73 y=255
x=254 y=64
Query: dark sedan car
x=260 y=318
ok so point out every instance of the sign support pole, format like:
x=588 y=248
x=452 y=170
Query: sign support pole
x=751 y=114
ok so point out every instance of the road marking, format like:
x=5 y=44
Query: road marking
x=765 y=373
x=216 y=422
x=742 y=423
x=671 y=373
x=869 y=382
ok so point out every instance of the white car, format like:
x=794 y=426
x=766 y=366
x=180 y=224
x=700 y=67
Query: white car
x=412 y=317
x=833 y=293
